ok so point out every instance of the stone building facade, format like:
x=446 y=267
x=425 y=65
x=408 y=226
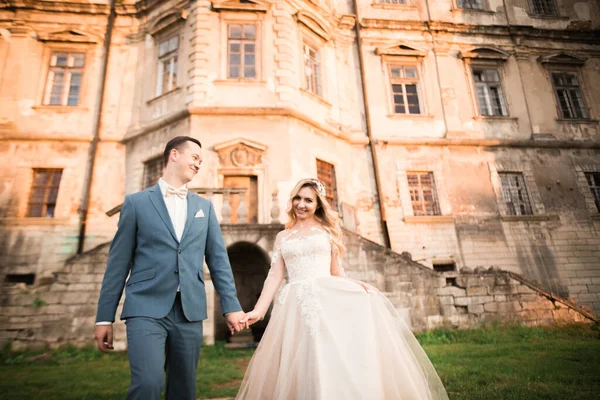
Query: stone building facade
x=465 y=133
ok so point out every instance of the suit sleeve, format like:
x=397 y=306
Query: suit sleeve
x=120 y=258
x=217 y=260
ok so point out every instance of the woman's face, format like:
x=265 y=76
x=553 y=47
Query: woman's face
x=304 y=204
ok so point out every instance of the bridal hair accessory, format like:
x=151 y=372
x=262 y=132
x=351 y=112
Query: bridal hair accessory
x=320 y=187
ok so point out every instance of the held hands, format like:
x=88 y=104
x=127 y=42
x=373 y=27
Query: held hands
x=104 y=337
x=251 y=318
x=234 y=321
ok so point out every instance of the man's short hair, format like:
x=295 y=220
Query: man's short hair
x=177 y=143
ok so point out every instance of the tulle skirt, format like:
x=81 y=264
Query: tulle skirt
x=328 y=339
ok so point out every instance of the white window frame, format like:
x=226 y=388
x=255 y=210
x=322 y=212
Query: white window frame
x=488 y=85
x=67 y=70
x=170 y=55
x=312 y=85
x=242 y=42
x=480 y=6
x=584 y=109
x=404 y=81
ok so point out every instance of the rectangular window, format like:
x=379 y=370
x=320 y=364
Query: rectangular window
x=44 y=190
x=312 y=69
x=593 y=180
x=167 y=65
x=568 y=95
x=423 y=194
x=64 y=79
x=405 y=89
x=241 y=44
x=326 y=174
x=470 y=4
x=515 y=194
x=544 y=7
x=489 y=92
x=153 y=170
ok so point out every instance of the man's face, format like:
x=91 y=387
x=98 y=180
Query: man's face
x=187 y=160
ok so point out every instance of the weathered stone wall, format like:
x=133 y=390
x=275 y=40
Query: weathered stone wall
x=64 y=310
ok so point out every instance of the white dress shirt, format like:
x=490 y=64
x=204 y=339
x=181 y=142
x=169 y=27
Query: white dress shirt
x=177 y=208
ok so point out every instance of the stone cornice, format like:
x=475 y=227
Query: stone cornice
x=144 y=7
x=76 y=7
x=586 y=36
x=498 y=143
x=257 y=112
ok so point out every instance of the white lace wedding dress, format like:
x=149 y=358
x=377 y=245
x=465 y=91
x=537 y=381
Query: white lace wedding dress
x=328 y=339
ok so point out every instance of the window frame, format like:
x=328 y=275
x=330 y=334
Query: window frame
x=473 y=66
x=47 y=187
x=318 y=81
x=484 y=5
x=404 y=63
x=47 y=85
x=335 y=200
x=149 y=164
x=595 y=190
x=243 y=41
x=536 y=13
x=577 y=72
x=169 y=55
x=437 y=211
x=504 y=190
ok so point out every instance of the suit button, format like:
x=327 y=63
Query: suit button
x=179 y=251
x=176 y=271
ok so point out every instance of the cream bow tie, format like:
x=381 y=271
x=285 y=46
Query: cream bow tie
x=181 y=192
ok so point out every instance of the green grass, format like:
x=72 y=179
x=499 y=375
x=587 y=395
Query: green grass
x=506 y=363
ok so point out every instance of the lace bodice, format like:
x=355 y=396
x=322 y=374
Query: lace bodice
x=306 y=256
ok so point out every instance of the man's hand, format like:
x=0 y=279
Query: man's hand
x=104 y=337
x=233 y=321
x=251 y=318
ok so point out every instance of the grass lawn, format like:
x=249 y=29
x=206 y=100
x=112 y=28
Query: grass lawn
x=495 y=363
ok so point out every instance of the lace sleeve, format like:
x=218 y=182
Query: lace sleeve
x=336 y=262
x=277 y=268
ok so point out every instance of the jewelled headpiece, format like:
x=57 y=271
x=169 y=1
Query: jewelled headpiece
x=320 y=187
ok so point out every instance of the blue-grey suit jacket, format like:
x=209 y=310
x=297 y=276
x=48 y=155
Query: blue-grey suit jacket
x=146 y=245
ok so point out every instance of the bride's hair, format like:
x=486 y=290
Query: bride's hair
x=324 y=214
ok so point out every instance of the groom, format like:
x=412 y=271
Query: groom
x=163 y=236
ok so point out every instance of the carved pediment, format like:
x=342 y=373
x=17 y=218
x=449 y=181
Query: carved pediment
x=485 y=53
x=240 y=153
x=241 y=5
x=563 y=58
x=400 y=49
x=315 y=23
x=70 y=36
x=166 y=20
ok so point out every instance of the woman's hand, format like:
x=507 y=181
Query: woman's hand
x=368 y=288
x=251 y=318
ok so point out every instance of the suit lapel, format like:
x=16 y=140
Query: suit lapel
x=156 y=198
x=191 y=211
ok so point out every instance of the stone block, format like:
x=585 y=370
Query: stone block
x=446 y=300
x=503 y=289
x=75 y=298
x=540 y=304
x=477 y=291
x=451 y=291
x=499 y=297
x=475 y=308
x=447 y=310
x=82 y=287
x=587 y=297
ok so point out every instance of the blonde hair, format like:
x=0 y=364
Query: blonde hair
x=324 y=214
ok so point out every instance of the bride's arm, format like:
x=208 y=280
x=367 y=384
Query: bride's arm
x=272 y=283
x=338 y=270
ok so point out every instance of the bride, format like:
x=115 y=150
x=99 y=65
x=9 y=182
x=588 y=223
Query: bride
x=329 y=337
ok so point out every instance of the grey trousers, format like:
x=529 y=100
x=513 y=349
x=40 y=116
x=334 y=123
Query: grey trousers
x=155 y=346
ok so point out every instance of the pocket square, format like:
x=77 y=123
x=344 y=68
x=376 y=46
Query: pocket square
x=199 y=214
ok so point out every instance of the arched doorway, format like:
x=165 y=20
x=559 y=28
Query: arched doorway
x=250 y=265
